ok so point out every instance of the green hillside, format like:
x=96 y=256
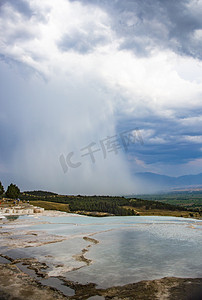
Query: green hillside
x=105 y=205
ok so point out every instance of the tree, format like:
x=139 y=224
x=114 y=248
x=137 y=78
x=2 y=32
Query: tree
x=13 y=191
x=1 y=189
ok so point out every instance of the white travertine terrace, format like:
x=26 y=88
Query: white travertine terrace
x=20 y=210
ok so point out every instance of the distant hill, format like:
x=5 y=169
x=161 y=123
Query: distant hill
x=40 y=193
x=167 y=182
x=106 y=205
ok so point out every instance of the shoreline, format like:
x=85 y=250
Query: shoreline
x=59 y=213
x=15 y=284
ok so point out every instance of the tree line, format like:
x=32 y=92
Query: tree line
x=148 y=204
x=101 y=206
x=113 y=205
x=12 y=191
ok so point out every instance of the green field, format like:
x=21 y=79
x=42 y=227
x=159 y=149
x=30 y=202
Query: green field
x=109 y=205
x=190 y=200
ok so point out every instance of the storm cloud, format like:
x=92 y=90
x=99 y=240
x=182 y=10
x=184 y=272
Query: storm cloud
x=76 y=73
x=145 y=24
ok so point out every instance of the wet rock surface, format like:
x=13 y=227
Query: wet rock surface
x=25 y=239
x=16 y=285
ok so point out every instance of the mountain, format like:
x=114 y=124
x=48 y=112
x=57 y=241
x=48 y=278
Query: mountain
x=167 y=182
x=190 y=180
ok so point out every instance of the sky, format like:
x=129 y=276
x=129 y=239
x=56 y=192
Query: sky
x=93 y=92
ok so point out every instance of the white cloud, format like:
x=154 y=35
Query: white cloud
x=194 y=121
x=193 y=166
x=154 y=82
x=194 y=139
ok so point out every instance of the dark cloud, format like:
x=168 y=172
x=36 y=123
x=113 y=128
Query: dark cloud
x=19 y=5
x=147 y=24
x=166 y=142
x=10 y=119
x=19 y=36
x=81 y=42
x=23 y=8
x=170 y=153
x=40 y=120
x=8 y=141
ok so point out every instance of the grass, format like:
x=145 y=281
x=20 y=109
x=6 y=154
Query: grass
x=51 y=205
x=141 y=211
x=163 y=212
x=191 y=200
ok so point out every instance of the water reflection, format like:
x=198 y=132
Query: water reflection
x=130 y=249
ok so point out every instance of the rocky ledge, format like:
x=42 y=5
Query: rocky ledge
x=16 y=285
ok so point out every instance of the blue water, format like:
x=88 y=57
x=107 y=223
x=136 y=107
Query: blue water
x=130 y=249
